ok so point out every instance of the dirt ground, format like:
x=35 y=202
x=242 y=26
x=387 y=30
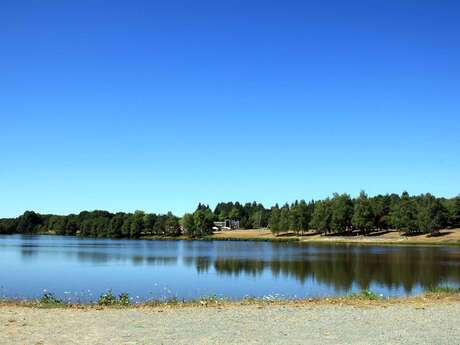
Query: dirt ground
x=451 y=236
x=421 y=322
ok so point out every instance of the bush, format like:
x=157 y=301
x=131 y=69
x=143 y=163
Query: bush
x=49 y=298
x=123 y=299
x=109 y=298
x=365 y=294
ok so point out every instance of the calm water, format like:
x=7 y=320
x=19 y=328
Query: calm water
x=82 y=269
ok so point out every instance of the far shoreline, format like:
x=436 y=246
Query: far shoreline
x=446 y=237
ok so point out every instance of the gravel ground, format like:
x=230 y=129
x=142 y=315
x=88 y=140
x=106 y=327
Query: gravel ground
x=411 y=323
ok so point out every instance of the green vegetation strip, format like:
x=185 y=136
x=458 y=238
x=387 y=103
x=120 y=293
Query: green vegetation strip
x=108 y=299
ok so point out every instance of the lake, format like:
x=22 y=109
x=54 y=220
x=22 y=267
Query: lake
x=79 y=270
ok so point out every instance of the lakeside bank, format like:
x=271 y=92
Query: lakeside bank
x=445 y=237
x=428 y=319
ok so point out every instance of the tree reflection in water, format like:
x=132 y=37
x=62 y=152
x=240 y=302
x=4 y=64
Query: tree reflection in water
x=343 y=267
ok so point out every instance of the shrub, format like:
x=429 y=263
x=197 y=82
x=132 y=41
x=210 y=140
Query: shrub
x=109 y=298
x=49 y=298
x=365 y=294
x=123 y=299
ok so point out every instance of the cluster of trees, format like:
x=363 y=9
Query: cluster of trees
x=251 y=215
x=338 y=214
x=199 y=223
x=95 y=224
x=295 y=217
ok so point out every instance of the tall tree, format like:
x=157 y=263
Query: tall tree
x=274 y=220
x=29 y=222
x=454 y=213
x=321 y=217
x=137 y=224
x=256 y=219
x=431 y=214
x=115 y=226
x=188 y=224
x=341 y=212
x=363 y=217
x=381 y=209
x=172 y=225
x=149 y=222
x=203 y=219
x=295 y=218
x=284 y=218
x=126 y=227
x=403 y=214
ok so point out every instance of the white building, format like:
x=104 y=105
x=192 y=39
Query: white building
x=227 y=224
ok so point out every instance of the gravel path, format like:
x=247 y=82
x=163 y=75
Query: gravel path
x=430 y=323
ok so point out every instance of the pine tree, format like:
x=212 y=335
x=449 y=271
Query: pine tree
x=381 y=209
x=341 y=212
x=321 y=217
x=454 y=217
x=363 y=217
x=431 y=214
x=274 y=220
x=403 y=214
x=284 y=218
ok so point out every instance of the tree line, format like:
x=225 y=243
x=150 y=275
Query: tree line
x=340 y=213
x=94 y=224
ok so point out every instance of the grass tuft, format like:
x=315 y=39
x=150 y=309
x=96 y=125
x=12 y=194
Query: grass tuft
x=49 y=299
x=109 y=299
x=365 y=295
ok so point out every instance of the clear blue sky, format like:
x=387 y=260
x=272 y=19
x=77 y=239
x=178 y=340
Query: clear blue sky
x=157 y=105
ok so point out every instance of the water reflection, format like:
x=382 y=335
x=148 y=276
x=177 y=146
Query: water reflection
x=191 y=268
x=342 y=271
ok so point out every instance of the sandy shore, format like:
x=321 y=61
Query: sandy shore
x=392 y=237
x=417 y=322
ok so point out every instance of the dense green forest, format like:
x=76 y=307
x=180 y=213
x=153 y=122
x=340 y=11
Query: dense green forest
x=341 y=214
x=337 y=214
